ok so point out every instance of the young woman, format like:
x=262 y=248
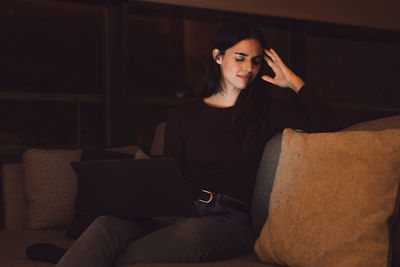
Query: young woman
x=217 y=141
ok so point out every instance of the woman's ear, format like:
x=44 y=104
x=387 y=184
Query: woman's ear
x=217 y=56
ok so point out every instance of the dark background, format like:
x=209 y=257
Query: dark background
x=96 y=73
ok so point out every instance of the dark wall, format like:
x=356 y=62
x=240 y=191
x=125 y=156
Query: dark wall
x=74 y=72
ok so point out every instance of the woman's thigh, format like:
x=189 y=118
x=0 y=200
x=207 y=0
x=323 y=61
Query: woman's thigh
x=198 y=239
x=101 y=244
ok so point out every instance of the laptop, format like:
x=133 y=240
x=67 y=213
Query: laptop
x=131 y=188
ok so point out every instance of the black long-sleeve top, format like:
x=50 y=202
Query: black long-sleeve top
x=205 y=145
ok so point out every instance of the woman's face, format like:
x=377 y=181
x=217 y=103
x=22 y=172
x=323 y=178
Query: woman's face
x=240 y=64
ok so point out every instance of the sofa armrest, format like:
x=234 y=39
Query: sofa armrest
x=14 y=203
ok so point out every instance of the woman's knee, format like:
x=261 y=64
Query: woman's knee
x=107 y=224
x=103 y=221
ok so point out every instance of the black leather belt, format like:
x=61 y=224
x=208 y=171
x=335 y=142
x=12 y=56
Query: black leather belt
x=209 y=197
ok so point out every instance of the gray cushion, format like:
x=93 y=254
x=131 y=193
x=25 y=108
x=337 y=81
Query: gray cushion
x=264 y=182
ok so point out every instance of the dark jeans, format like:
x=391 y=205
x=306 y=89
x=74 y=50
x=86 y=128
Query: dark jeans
x=220 y=233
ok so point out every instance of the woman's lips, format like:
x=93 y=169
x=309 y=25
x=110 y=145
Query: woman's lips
x=245 y=77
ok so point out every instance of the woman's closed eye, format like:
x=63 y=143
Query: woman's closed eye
x=239 y=59
x=255 y=60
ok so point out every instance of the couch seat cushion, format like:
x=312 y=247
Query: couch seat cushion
x=249 y=260
x=13 y=244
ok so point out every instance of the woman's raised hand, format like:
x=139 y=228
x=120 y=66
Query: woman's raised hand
x=284 y=77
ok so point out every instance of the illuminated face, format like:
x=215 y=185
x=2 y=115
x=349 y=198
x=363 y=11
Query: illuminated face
x=240 y=64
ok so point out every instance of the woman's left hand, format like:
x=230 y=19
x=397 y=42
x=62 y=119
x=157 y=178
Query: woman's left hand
x=284 y=77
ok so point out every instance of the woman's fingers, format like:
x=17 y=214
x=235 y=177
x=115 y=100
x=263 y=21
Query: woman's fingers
x=270 y=63
x=277 y=66
x=268 y=79
x=269 y=55
x=273 y=55
x=276 y=56
x=284 y=77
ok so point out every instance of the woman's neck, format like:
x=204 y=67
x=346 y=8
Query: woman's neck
x=222 y=99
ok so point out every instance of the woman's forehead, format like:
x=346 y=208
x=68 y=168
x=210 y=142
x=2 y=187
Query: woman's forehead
x=250 y=47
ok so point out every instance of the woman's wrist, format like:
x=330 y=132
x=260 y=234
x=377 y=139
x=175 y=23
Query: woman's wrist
x=296 y=84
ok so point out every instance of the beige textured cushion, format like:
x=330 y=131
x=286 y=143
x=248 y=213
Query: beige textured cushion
x=332 y=198
x=51 y=187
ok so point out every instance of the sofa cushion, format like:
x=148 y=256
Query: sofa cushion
x=268 y=164
x=249 y=260
x=51 y=186
x=332 y=198
x=392 y=122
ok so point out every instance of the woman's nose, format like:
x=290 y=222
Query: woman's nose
x=248 y=65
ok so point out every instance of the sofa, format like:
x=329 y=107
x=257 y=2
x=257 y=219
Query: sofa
x=17 y=234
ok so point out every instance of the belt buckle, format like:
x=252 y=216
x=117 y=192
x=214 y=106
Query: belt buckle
x=211 y=196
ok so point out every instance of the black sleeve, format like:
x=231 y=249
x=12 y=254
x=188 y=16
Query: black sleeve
x=173 y=138
x=312 y=114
